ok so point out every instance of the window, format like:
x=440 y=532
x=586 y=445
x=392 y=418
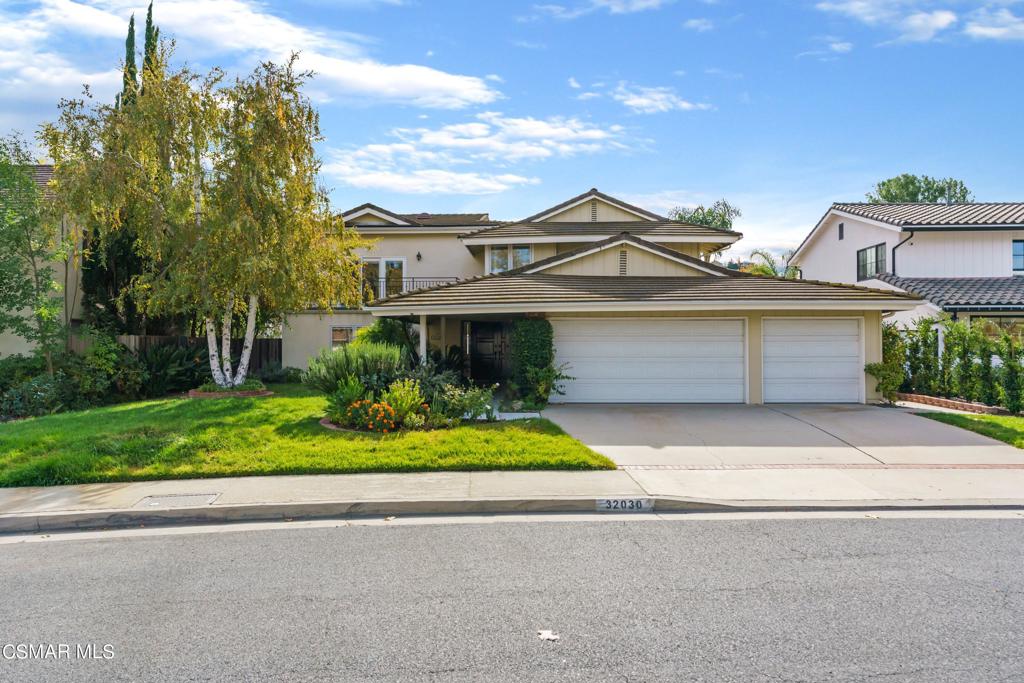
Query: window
x=341 y=336
x=383 y=277
x=1018 y=256
x=871 y=261
x=508 y=257
x=840 y=231
x=994 y=327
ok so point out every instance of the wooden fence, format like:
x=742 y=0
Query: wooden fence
x=265 y=352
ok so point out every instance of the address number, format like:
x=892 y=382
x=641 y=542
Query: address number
x=625 y=505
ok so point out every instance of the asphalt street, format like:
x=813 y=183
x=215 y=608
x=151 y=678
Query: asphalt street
x=716 y=600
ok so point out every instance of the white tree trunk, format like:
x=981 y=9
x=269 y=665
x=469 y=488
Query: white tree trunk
x=250 y=333
x=225 y=342
x=211 y=343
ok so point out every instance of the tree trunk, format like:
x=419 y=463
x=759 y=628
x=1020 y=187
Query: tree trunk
x=225 y=342
x=211 y=343
x=250 y=333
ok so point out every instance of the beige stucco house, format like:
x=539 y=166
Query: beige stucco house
x=640 y=311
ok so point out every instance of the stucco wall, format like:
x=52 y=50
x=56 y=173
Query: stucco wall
x=442 y=256
x=305 y=334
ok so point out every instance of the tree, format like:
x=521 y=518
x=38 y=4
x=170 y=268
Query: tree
x=130 y=72
x=718 y=215
x=222 y=180
x=768 y=264
x=907 y=187
x=31 y=304
x=150 y=60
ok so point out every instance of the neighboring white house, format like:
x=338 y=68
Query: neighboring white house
x=964 y=259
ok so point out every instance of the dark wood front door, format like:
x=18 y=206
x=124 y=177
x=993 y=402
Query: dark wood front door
x=488 y=351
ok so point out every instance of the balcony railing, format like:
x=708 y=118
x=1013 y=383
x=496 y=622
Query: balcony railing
x=379 y=288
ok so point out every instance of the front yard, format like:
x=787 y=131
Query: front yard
x=1006 y=428
x=179 y=439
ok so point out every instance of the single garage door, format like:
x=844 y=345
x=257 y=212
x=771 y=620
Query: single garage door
x=813 y=360
x=651 y=360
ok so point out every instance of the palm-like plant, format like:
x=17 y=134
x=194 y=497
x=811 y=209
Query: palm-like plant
x=768 y=264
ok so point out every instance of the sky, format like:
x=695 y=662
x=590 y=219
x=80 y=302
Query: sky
x=780 y=106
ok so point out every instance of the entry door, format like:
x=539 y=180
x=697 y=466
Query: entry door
x=652 y=360
x=813 y=360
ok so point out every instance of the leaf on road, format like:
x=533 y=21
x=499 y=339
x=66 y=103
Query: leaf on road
x=547 y=635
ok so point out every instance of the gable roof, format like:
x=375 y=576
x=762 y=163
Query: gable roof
x=378 y=211
x=920 y=216
x=964 y=293
x=594 y=193
x=420 y=219
x=655 y=230
x=626 y=238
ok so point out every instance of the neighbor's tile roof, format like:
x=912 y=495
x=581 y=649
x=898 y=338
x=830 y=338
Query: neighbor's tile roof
x=935 y=215
x=447 y=218
x=954 y=293
x=648 y=229
x=540 y=288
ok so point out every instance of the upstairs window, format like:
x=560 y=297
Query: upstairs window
x=1018 y=257
x=507 y=257
x=870 y=262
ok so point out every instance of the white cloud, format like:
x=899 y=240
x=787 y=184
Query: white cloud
x=910 y=20
x=699 y=25
x=573 y=83
x=841 y=47
x=243 y=28
x=995 y=24
x=652 y=99
x=438 y=160
x=611 y=6
x=588 y=95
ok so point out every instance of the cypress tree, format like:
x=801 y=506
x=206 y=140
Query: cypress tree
x=130 y=84
x=149 y=59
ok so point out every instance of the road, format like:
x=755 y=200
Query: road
x=714 y=600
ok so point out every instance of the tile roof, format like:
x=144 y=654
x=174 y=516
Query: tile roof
x=963 y=293
x=447 y=218
x=649 y=229
x=939 y=215
x=531 y=289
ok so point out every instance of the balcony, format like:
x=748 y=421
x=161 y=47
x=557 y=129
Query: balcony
x=382 y=287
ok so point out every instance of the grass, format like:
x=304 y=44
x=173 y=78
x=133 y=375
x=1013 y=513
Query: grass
x=1005 y=428
x=181 y=438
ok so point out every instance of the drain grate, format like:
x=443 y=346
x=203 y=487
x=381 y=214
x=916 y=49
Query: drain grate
x=177 y=500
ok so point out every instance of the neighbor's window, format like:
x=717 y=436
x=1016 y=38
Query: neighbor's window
x=840 y=231
x=508 y=257
x=871 y=261
x=1018 y=256
x=994 y=327
x=342 y=335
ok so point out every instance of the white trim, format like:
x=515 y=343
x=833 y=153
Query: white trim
x=374 y=212
x=861 y=332
x=510 y=246
x=576 y=237
x=813 y=234
x=745 y=319
x=619 y=242
x=586 y=198
x=628 y=306
x=413 y=230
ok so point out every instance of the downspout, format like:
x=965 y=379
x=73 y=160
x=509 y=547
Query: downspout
x=909 y=237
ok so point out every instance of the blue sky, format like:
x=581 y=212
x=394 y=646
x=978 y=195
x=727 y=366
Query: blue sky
x=781 y=106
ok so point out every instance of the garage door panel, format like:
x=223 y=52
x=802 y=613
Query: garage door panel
x=812 y=360
x=652 y=360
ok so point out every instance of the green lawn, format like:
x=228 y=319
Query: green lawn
x=180 y=438
x=1006 y=428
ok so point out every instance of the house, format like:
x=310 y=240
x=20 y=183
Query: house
x=640 y=311
x=962 y=259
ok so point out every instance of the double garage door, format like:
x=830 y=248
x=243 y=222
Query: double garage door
x=680 y=360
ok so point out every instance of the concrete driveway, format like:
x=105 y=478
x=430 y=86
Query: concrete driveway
x=730 y=435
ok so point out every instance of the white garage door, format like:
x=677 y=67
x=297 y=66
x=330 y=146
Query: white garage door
x=813 y=360
x=651 y=360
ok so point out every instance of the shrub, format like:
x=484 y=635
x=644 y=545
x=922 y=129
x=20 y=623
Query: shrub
x=273 y=373
x=39 y=395
x=473 y=403
x=404 y=397
x=391 y=332
x=532 y=345
x=375 y=365
x=349 y=391
x=174 y=368
x=377 y=417
x=1010 y=376
x=434 y=378
x=251 y=384
x=415 y=421
x=17 y=368
x=547 y=380
x=890 y=373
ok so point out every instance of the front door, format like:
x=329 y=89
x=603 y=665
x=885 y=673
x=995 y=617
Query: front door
x=488 y=351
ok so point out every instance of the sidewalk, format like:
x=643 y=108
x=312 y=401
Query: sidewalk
x=295 y=497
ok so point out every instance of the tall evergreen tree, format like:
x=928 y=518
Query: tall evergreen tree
x=130 y=80
x=150 y=57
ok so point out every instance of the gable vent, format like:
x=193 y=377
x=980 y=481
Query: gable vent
x=593 y=210
x=623 y=262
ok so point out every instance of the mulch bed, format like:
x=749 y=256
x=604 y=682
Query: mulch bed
x=954 y=404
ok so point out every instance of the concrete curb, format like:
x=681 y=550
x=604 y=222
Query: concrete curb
x=278 y=512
